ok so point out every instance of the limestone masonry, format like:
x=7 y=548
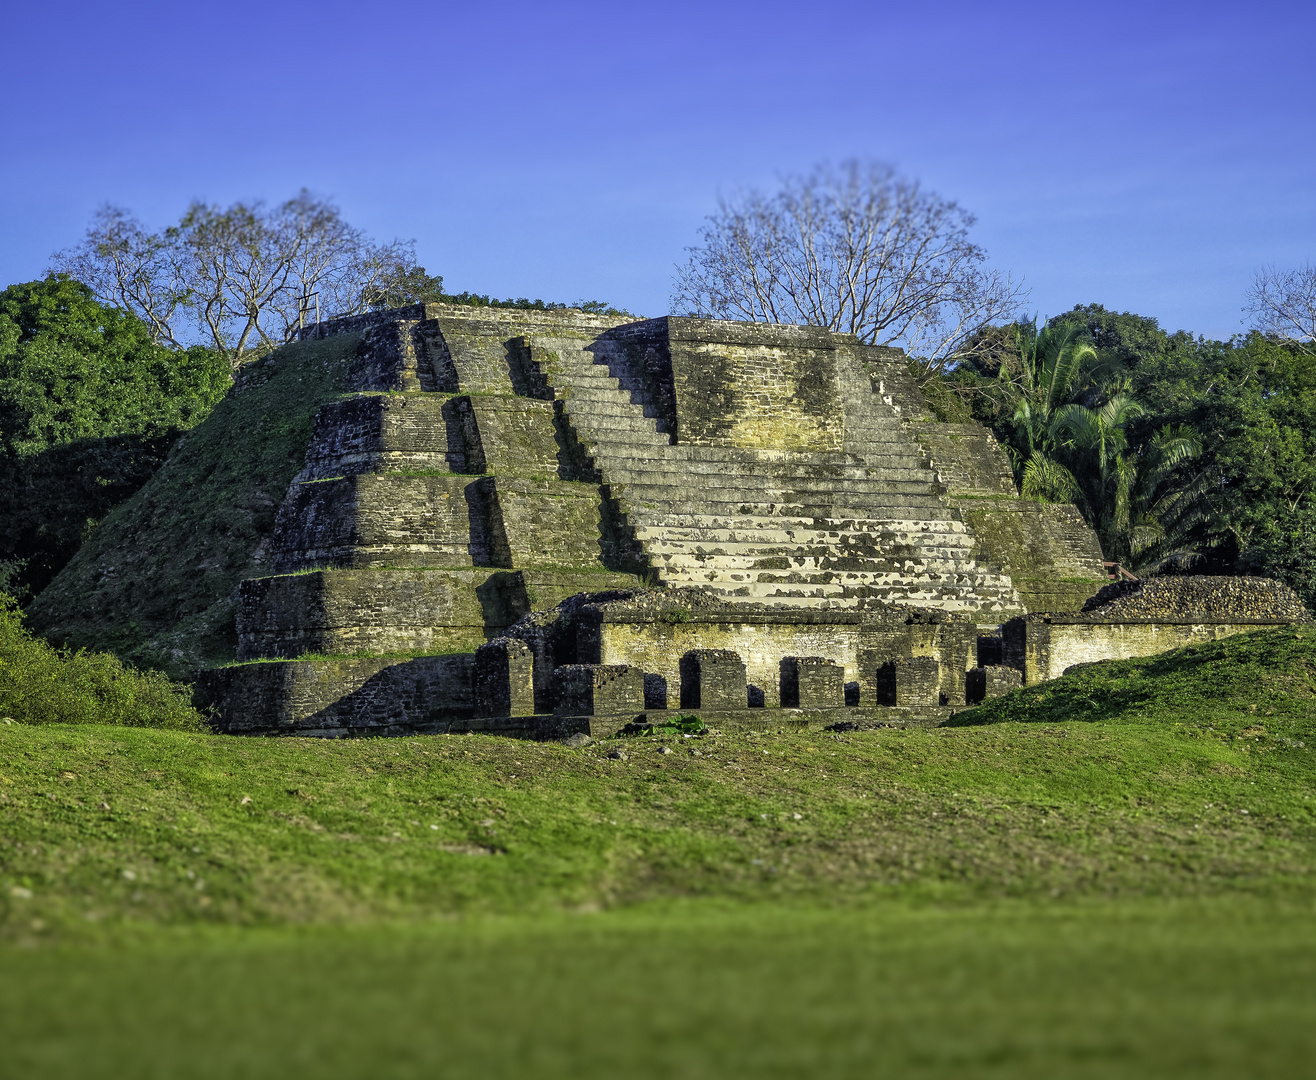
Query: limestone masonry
x=541 y=523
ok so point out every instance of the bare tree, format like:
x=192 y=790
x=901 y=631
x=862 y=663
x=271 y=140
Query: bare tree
x=247 y=275
x=1283 y=303
x=858 y=250
x=127 y=267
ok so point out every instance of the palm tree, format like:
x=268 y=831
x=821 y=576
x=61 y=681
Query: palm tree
x=1042 y=385
x=1133 y=498
x=1066 y=451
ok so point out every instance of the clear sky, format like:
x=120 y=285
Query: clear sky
x=1146 y=156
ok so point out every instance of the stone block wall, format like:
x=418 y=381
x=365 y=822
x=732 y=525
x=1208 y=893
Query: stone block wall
x=378 y=432
x=550 y=523
x=504 y=679
x=966 y=458
x=386 y=519
x=518 y=438
x=713 y=679
x=338 y=612
x=1052 y=557
x=992 y=681
x=597 y=689
x=910 y=680
x=773 y=389
x=658 y=647
x=351 y=696
x=811 y=682
x=1043 y=647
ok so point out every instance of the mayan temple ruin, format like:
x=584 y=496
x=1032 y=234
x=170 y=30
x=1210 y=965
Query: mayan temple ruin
x=541 y=523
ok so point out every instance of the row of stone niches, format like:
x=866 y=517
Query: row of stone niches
x=711 y=679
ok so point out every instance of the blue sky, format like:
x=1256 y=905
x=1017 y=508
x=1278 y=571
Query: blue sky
x=1145 y=156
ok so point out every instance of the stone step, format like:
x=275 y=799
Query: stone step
x=754 y=555
x=945 y=599
x=649 y=463
x=840 y=584
x=586 y=380
x=824 y=568
x=714 y=481
x=598 y=413
x=768 y=503
x=705 y=529
x=822 y=547
x=635 y=427
x=684 y=453
x=645 y=511
x=907 y=589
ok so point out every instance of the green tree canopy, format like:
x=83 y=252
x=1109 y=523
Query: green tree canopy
x=89 y=405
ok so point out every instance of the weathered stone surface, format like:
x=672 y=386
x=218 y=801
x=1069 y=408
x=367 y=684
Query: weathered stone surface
x=992 y=681
x=385 y=520
x=654 y=629
x=1142 y=618
x=1051 y=556
x=359 y=696
x=966 y=458
x=391 y=357
x=811 y=682
x=339 y=612
x=504 y=679
x=383 y=432
x=597 y=689
x=550 y=523
x=910 y=680
x=713 y=679
x=1180 y=598
x=1044 y=647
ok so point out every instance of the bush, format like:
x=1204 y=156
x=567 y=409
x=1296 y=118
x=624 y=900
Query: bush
x=43 y=685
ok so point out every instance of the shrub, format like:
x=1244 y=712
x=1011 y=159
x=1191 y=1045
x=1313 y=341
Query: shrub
x=43 y=685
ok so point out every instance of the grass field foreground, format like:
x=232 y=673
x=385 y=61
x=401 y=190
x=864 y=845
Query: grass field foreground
x=1109 y=875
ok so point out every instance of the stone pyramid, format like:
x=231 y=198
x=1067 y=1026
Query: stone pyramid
x=488 y=463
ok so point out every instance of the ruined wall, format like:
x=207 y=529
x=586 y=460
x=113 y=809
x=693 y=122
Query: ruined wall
x=338 y=612
x=1050 y=553
x=340 y=697
x=654 y=630
x=1143 y=618
x=1043 y=647
x=755 y=386
x=657 y=648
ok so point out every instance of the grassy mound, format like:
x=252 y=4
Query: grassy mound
x=152 y=585
x=1265 y=679
x=43 y=685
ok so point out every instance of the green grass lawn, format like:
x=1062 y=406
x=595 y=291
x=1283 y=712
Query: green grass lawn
x=1109 y=875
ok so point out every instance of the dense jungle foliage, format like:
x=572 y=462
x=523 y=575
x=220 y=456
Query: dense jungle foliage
x=89 y=406
x=1185 y=454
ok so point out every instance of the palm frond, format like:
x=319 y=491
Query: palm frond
x=1045 y=478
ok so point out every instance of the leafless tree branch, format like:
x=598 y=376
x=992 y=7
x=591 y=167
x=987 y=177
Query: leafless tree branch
x=856 y=249
x=1283 y=303
x=243 y=273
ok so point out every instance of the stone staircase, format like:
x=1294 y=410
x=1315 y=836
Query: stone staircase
x=792 y=528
